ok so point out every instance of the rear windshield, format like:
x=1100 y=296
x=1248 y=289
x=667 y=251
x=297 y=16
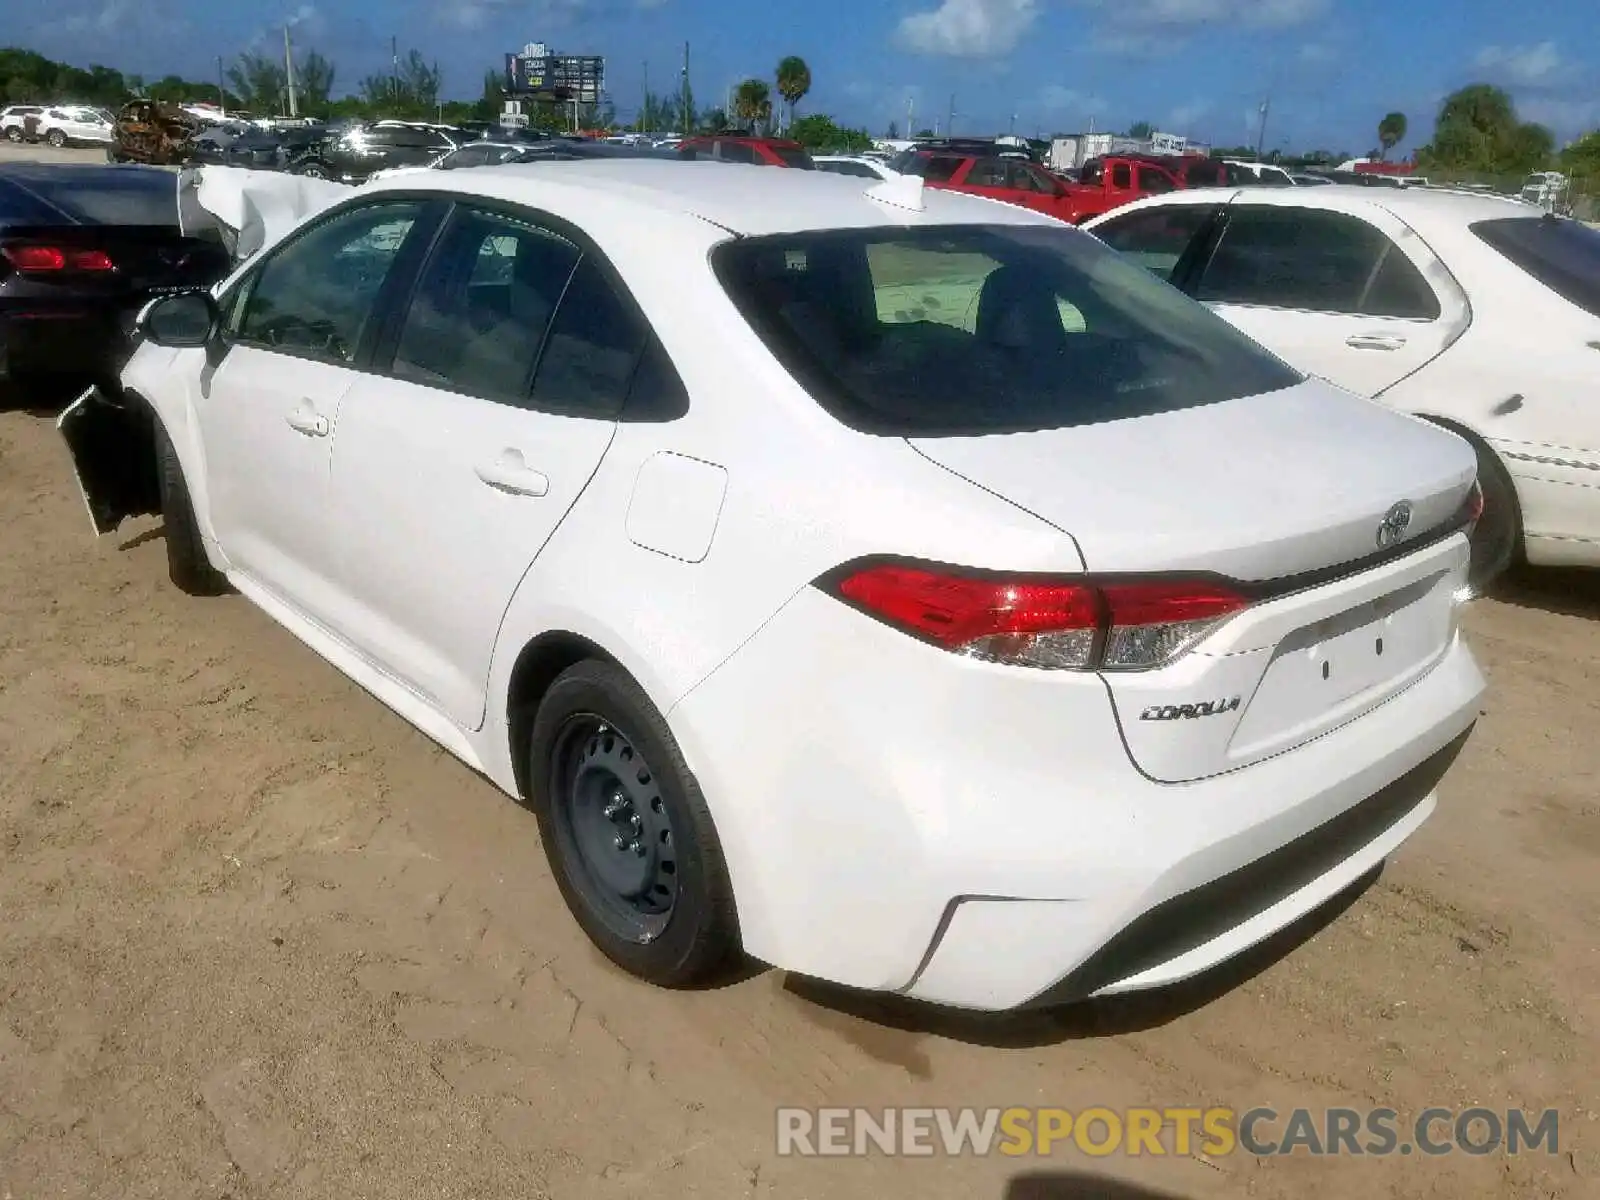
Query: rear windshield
x=1563 y=255
x=969 y=330
x=795 y=156
x=94 y=195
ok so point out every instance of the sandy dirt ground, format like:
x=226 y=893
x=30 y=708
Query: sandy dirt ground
x=258 y=938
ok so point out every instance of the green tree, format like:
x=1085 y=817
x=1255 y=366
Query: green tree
x=818 y=131
x=1391 y=132
x=1478 y=132
x=313 y=83
x=410 y=90
x=1581 y=160
x=1140 y=130
x=752 y=104
x=713 y=119
x=259 y=82
x=794 y=81
x=894 y=131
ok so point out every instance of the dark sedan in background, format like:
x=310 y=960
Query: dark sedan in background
x=82 y=249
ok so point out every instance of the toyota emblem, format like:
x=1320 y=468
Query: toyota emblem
x=1394 y=525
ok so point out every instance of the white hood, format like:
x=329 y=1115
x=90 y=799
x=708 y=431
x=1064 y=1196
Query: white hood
x=250 y=208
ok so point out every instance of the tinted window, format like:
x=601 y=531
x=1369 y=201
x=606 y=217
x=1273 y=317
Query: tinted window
x=482 y=306
x=968 y=330
x=1153 y=181
x=92 y=195
x=793 y=156
x=860 y=170
x=316 y=295
x=1156 y=238
x=470 y=156
x=1121 y=176
x=735 y=152
x=593 y=348
x=1307 y=259
x=657 y=392
x=987 y=172
x=1561 y=254
x=1093 y=172
x=936 y=168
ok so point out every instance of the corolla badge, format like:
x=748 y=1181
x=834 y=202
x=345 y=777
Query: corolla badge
x=1394 y=525
x=1189 y=712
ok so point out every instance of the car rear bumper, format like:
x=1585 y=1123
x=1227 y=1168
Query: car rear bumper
x=65 y=337
x=898 y=820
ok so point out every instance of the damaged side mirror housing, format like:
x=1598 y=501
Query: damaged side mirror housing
x=181 y=320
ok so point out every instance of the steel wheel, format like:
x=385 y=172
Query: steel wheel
x=57 y=138
x=614 y=829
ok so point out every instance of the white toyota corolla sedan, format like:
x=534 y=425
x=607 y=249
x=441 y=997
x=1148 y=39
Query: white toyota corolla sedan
x=902 y=587
x=1477 y=312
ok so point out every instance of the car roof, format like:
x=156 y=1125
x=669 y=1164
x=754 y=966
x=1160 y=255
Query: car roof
x=1414 y=205
x=745 y=200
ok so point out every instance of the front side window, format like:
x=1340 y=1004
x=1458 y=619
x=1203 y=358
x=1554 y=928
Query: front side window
x=1315 y=261
x=1563 y=255
x=1156 y=238
x=1154 y=182
x=970 y=330
x=482 y=305
x=315 y=297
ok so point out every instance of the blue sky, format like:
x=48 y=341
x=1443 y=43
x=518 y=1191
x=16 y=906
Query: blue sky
x=1196 y=67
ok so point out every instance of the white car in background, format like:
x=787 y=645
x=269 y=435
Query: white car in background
x=980 y=656
x=1477 y=312
x=859 y=166
x=75 y=125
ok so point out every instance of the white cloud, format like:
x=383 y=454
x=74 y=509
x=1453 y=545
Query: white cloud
x=1567 y=117
x=1525 y=66
x=968 y=28
x=1153 y=28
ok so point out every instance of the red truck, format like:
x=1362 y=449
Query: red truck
x=1104 y=184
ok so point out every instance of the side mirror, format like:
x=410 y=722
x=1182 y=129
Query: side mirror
x=182 y=320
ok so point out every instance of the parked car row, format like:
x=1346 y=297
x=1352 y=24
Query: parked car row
x=58 y=125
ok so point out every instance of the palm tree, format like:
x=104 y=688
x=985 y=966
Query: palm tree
x=1391 y=131
x=752 y=103
x=794 y=81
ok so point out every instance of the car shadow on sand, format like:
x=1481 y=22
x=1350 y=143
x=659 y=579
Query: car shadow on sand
x=1568 y=591
x=892 y=1028
x=1075 y=1185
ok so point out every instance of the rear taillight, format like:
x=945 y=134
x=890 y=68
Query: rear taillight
x=32 y=259
x=1083 y=624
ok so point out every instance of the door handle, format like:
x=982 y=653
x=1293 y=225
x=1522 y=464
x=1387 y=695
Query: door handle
x=1375 y=341
x=308 y=421
x=510 y=474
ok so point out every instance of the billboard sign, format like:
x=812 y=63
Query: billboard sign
x=1168 y=143
x=571 y=77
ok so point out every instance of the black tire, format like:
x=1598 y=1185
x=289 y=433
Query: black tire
x=14 y=134
x=187 y=564
x=56 y=138
x=1497 y=537
x=596 y=739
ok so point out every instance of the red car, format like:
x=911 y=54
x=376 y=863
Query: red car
x=763 y=152
x=1104 y=184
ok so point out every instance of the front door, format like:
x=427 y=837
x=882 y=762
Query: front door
x=454 y=466
x=269 y=410
x=1337 y=295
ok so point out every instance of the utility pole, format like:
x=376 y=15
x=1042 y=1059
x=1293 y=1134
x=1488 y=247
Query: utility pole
x=950 y=124
x=394 y=72
x=685 y=115
x=1261 y=131
x=222 y=90
x=910 y=112
x=644 y=109
x=1013 y=130
x=288 y=72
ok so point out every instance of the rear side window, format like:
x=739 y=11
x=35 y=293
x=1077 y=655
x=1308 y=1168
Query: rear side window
x=1153 y=181
x=482 y=306
x=987 y=172
x=1121 y=176
x=592 y=351
x=1313 y=261
x=736 y=152
x=1156 y=238
x=971 y=330
x=936 y=168
x=1563 y=255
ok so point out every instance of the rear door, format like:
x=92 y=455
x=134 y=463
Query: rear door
x=501 y=382
x=1357 y=300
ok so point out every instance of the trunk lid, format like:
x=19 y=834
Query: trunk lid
x=1285 y=493
x=1255 y=489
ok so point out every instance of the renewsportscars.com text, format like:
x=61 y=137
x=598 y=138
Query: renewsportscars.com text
x=1210 y=1132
